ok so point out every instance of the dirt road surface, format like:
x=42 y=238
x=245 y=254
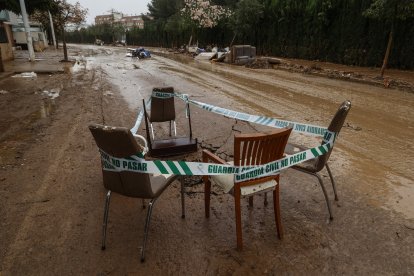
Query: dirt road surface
x=52 y=195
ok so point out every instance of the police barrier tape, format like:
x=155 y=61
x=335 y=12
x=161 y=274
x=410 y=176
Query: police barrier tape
x=261 y=120
x=137 y=163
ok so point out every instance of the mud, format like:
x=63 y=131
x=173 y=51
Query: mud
x=52 y=194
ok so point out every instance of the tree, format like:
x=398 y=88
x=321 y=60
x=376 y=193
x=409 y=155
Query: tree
x=63 y=13
x=390 y=11
x=247 y=17
x=31 y=6
x=204 y=13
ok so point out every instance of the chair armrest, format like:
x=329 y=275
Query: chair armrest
x=208 y=156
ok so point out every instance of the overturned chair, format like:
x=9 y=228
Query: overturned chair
x=163 y=110
x=119 y=142
x=314 y=166
x=250 y=150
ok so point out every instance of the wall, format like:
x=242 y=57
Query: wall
x=6 y=43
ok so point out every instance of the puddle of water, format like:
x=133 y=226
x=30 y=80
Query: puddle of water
x=46 y=108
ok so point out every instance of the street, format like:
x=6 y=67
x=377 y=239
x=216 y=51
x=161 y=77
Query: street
x=51 y=184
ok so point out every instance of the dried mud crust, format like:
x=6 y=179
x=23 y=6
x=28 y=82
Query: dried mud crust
x=350 y=74
x=52 y=203
x=336 y=71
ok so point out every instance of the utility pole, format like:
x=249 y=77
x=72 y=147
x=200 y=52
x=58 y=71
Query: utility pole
x=52 y=30
x=27 y=31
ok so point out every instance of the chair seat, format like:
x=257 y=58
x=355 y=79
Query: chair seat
x=226 y=182
x=173 y=146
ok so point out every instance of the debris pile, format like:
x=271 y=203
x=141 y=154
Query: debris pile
x=138 y=53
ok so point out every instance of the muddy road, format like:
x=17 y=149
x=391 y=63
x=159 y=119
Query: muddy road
x=381 y=121
x=53 y=197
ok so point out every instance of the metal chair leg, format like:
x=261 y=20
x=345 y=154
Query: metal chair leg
x=326 y=196
x=175 y=128
x=265 y=199
x=147 y=222
x=152 y=131
x=170 y=128
x=182 y=197
x=332 y=181
x=105 y=220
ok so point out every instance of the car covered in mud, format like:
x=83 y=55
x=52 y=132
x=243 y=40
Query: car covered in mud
x=138 y=53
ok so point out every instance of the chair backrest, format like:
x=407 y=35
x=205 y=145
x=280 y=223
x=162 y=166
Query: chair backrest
x=335 y=126
x=119 y=142
x=260 y=148
x=162 y=109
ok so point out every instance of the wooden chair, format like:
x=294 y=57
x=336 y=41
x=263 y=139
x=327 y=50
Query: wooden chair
x=314 y=166
x=250 y=150
x=163 y=110
x=119 y=142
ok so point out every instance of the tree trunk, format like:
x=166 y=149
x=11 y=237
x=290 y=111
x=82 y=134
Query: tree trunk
x=387 y=52
x=65 y=49
x=234 y=37
x=1 y=62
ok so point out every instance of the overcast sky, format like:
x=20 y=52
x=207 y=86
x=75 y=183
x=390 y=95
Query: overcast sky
x=98 y=7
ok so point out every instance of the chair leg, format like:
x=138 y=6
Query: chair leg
x=143 y=203
x=170 y=128
x=147 y=222
x=175 y=128
x=332 y=181
x=276 y=207
x=326 y=195
x=105 y=220
x=207 y=191
x=182 y=197
x=265 y=199
x=251 y=201
x=152 y=131
x=237 y=210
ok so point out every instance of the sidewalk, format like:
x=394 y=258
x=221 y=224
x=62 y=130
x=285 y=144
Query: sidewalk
x=46 y=62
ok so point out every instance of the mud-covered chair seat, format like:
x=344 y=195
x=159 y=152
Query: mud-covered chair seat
x=314 y=166
x=119 y=142
x=250 y=150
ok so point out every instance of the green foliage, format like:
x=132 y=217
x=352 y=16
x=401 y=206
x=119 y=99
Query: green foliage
x=391 y=9
x=353 y=32
x=31 y=5
x=247 y=15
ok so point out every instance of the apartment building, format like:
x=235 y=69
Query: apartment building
x=127 y=21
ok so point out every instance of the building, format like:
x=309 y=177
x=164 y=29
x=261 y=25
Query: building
x=6 y=37
x=108 y=18
x=37 y=33
x=13 y=25
x=132 y=21
x=127 y=22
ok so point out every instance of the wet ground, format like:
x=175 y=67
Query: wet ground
x=53 y=197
